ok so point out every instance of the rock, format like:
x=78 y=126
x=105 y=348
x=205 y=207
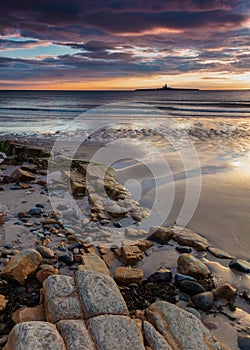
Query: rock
x=225 y=291
x=189 y=265
x=187 y=237
x=204 y=301
x=1 y=218
x=66 y=258
x=22 y=175
x=126 y=275
x=109 y=258
x=244 y=342
x=45 y=251
x=160 y=234
x=183 y=330
x=99 y=294
x=240 y=265
x=219 y=253
x=29 y=167
x=21 y=266
x=61 y=300
x=36 y=335
x=25 y=314
x=36 y=211
x=45 y=272
x=3 y=302
x=93 y=262
x=144 y=244
x=48 y=221
x=191 y=287
x=115 y=332
x=78 y=189
x=155 y=340
x=75 y=335
x=161 y=275
x=134 y=233
x=183 y=249
x=130 y=255
x=179 y=277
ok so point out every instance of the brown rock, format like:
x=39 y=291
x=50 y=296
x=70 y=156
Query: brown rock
x=24 y=185
x=1 y=218
x=48 y=221
x=187 y=237
x=219 y=253
x=127 y=275
x=160 y=234
x=93 y=262
x=45 y=272
x=78 y=189
x=225 y=291
x=29 y=167
x=25 y=314
x=3 y=302
x=130 y=255
x=22 y=266
x=22 y=175
x=189 y=265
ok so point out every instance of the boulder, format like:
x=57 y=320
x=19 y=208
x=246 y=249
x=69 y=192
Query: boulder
x=99 y=294
x=75 y=335
x=189 y=265
x=115 y=332
x=36 y=335
x=21 y=266
x=183 y=330
x=93 y=262
x=160 y=234
x=127 y=275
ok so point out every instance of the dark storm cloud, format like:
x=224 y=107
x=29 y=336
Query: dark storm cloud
x=119 y=38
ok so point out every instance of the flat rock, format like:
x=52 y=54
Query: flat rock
x=219 y=253
x=183 y=330
x=23 y=175
x=191 y=287
x=130 y=255
x=35 y=335
x=93 y=262
x=134 y=233
x=115 y=332
x=127 y=275
x=155 y=340
x=45 y=272
x=203 y=301
x=160 y=234
x=161 y=275
x=189 y=265
x=240 y=265
x=45 y=251
x=21 y=266
x=3 y=302
x=187 y=237
x=99 y=294
x=75 y=335
x=25 y=314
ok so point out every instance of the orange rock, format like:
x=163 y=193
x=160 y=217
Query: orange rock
x=46 y=272
x=25 y=314
x=3 y=302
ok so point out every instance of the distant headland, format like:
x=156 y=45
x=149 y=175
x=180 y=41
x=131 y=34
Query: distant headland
x=166 y=87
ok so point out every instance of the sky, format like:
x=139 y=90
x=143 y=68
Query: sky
x=124 y=44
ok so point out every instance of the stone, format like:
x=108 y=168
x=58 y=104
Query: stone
x=183 y=249
x=134 y=233
x=204 y=301
x=25 y=314
x=219 y=253
x=21 y=266
x=29 y=167
x=22 y=175
x=75 y=335
x=93 y=262
x=187 y=237
x=78 y=189
x=155 y=340
x=35 y=211
x=45 y=272
x=1 y=219
x=160 y=234
x=99 y=294
x=240 y=265
x=180 y=277
x=45 y=251
x=127 y=275
x=108 y=258
x=189 y=265
x=48 y=221
x=66 y=258
x=244 y=342
x=225 y=291
x=36 y=335
x=161 y=275
x=3 y=302
x=115 y=332
x=183 y=330
x=130 y=255
x=61 y=300
x=191 y=287
x=144 y=244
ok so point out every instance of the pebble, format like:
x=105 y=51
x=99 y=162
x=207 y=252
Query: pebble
x=244 y=342
x=8 y=245
x=67 y=259
x=191 y=287
x=203 y=301
x=225 y=291
x=240 y=265
x=180 y=277
x=183 y=249
x=161 y=275
x=45 y=251
x=35 y=211
x=39 y=205
x=16 y=187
